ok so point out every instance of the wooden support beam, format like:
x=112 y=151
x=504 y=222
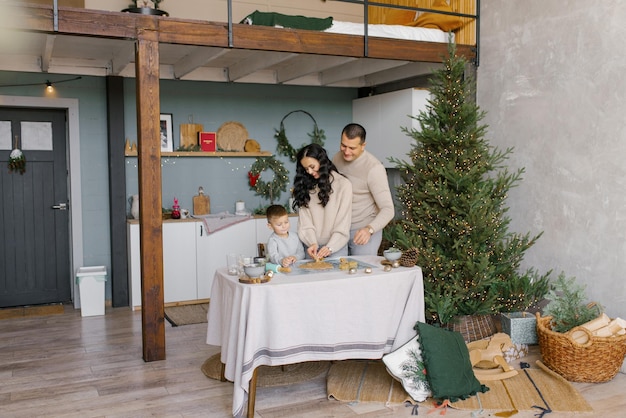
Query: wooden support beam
x=150 y=218
x=117 y=191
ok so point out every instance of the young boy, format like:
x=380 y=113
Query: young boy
x=283 y=248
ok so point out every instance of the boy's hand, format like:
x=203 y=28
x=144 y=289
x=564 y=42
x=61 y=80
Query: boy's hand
x=288 y=261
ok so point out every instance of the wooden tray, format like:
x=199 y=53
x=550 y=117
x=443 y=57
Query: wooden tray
x=232 y=136
x=257 y=280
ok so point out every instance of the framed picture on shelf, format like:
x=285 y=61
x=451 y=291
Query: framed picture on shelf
x=167 y=138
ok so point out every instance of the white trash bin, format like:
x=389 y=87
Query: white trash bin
x=91 y=281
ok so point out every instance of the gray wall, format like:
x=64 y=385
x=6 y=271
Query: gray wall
x=551 y=79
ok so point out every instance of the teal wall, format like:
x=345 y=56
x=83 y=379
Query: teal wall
x=259 y=108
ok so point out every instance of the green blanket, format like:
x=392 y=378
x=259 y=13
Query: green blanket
x=287 y=21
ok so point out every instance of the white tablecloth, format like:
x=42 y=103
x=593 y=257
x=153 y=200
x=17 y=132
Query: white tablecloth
x=296 y=318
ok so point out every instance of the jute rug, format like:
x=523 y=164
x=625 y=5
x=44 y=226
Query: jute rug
x=530 y=390
x=368 y=381
x=364 y=381
x=187 y=314
x=275 y=375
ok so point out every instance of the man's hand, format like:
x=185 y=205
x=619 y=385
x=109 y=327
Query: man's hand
x=362 y=236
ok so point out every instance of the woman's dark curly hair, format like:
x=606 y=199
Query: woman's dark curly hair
x=304 y=183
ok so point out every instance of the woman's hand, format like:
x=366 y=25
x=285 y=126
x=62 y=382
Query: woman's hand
x=312 y=251
x=324 y=252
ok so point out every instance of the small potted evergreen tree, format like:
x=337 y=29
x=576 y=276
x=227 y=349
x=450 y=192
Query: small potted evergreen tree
x=146 y=7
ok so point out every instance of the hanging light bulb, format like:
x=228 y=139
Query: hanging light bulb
x=48 y=83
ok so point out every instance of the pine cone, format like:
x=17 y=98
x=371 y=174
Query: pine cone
x=409 y=257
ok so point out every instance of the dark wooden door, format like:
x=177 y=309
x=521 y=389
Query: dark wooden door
x=34 y=216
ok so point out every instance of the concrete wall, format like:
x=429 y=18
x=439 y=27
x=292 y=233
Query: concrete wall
x=551 y=79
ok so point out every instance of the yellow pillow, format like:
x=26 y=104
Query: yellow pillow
x=436 y=21
x=398 y=16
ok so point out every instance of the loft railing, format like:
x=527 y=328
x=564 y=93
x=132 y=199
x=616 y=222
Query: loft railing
x=366 y=4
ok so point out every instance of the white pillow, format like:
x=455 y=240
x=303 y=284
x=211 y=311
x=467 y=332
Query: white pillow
x=407 y=366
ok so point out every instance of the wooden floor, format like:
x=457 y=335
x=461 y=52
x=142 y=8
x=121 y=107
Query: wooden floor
x=68 y=366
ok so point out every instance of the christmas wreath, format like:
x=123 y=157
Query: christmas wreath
x=17 y=161
x=285 y=148
x=269 y=190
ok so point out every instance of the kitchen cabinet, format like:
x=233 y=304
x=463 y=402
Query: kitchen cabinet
x=384 y=116
x=191 y=256
x=179 y=262
x=211 y=250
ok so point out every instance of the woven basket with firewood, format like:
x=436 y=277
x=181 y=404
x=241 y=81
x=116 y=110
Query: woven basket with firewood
x=594 y=359
x=577 y=339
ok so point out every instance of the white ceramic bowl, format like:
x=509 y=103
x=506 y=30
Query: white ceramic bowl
x=392 y=255
x=254 y=270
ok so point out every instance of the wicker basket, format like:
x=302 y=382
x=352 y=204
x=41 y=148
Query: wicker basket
x=473 y=327
x=597 y=360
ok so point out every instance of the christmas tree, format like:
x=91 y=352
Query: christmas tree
x=452 y=205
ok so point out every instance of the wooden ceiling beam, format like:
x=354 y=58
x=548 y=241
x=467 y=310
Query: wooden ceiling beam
x=356 y=69
x=46 y=57
x=256 y=62
x=196 y=59
x=303 y=65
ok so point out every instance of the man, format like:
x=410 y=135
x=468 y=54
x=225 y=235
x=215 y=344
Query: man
x=372 y=204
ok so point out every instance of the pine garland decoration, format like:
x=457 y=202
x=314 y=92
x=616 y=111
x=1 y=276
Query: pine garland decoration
x=269 y=190
x=189 y=148
x=285 y=148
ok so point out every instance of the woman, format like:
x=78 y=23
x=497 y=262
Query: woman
x=323 y=198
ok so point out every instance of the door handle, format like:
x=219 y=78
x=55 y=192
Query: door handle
x=60 y=206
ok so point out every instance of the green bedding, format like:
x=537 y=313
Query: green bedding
x=287 y=21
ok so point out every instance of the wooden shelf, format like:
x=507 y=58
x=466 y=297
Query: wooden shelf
x=207 y=154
